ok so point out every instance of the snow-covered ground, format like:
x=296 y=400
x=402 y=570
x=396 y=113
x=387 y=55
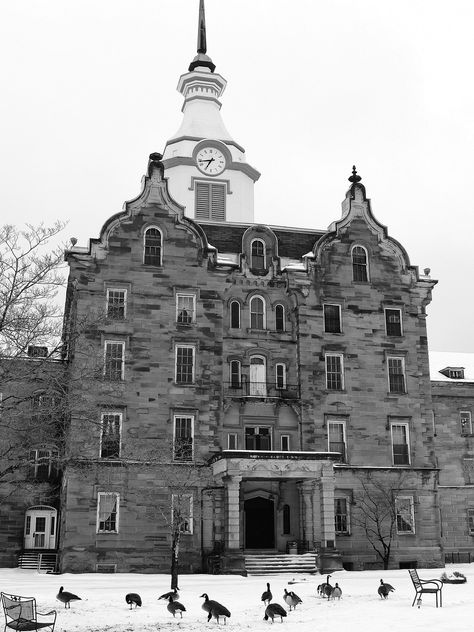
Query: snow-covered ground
x=103 y=606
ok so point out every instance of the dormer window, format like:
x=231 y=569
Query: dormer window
x=152 y=247
x=453 y=372
x=359 y=264
x=257 y=255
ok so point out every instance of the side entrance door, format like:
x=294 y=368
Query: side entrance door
x=40 y=528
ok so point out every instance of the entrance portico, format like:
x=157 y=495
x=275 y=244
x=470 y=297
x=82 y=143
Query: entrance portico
x=272 y=498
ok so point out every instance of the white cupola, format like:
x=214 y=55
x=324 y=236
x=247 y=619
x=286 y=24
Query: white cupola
x=206 y=169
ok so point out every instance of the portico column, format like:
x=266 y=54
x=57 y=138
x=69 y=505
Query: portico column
x=306 y=489
x=327 y=483
x=232 y=535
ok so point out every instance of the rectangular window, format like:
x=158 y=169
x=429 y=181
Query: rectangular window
x=332 y=319
x=182 y=513
x=405 y=514
x=210 y=201
x=114 y=360
x=470 y=521
x=110 y=435
x=184 y=364
x=107 y=512
x=116 y=304
x=280 y=375
x=185 y=309
x=466 y=422
x=336 y=438
x=400 y=444
x=232 y=441
x=183 y=438
x=43 y=464
x=235 y=374
x=257 y=438
x=341 y=516
x=334 y=372
x=396 y=375
x=285 y=443
x=393 y=322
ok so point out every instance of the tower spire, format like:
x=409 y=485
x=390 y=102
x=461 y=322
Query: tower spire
x=202 y=60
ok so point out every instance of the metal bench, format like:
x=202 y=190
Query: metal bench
x=21 y=614
x=422 y=586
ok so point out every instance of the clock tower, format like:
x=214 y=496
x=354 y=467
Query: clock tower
x=206 y=169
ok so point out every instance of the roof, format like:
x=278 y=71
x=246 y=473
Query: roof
x=440 y=360
x=293 y=243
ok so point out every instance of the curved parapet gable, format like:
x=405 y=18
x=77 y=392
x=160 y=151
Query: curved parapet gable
x=154 y=192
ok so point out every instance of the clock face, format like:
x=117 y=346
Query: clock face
x=210 y=161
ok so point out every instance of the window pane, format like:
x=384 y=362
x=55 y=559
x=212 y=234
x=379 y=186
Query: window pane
x=108 y=512
x=257 y=438
x=235 y=380
x=258 y=255
x=184 y=365
x=185 y=309
x=113 y=361
x=466 y=423
x=400 y=444
x=257 y=313
x=340 y=515
x=332 y=319
x=116 y=304
x=334 y=372
x=404 y=511
x=359 y=264
x=183 y=438
x=280 y=376
x=396 y=375
x=235 y=315
x=393 y=322
x=280 y=318
x=110 y=444
x=152 y=251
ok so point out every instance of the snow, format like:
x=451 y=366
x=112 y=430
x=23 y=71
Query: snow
x=103 y=606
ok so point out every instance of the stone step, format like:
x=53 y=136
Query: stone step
x=31 y=560
x=275 y=564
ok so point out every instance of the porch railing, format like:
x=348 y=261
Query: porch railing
x=261 y=389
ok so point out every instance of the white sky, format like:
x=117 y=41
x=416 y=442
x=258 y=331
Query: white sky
x=103 y=609
x=314 y=86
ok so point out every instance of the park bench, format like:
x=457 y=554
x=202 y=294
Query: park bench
x=422 y=586
x=21 y=614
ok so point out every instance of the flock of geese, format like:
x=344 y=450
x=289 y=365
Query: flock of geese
x=217 y=611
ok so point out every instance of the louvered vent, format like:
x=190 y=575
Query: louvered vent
x=210 y=201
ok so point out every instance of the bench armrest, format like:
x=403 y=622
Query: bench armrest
x=437 y=582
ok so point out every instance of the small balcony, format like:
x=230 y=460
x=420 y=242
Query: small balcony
x=261 y=390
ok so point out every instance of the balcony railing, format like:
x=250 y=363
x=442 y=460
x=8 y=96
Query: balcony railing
x=261 y=389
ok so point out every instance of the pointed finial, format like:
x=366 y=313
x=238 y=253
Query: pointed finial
x=354 y=177
x=202 y=44
x=201 y=58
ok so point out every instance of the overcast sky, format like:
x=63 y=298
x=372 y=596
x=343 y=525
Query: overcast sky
x=88 y=91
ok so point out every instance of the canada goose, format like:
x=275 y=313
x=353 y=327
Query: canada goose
x=325 y=588
x=214 y=609
x=133 y=598
x=66 y=597
x=336 y=592
x=174 y=594
x=291 y=599
x=274 y=610
x=175 y=606
x=385 y=589
x=267 y=595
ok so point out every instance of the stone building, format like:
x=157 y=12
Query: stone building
x=256 y=381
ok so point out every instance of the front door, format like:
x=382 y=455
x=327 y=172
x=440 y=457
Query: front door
x=258 y=377
x=259 y=523
x=40 y=528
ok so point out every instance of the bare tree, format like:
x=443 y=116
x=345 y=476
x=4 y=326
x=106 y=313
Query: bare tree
x=30 y=277
x=376 y=509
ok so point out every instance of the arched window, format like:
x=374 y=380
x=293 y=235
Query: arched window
x=152 y=247
x=257 y=313
x=235 y=315
x=280 y=318
x=258 y=255
x=258 y=376
x=359 y=264
x=235 y=374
